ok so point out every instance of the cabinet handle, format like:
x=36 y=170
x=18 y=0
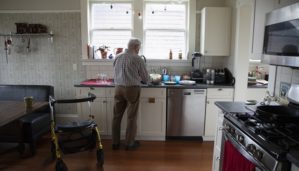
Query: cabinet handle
x=218 y=158
x=92 y=116
x=151 y=100
x=219 y=89
x=208 y=102
x=104 y=101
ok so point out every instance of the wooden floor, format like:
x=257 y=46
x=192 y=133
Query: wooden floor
x=170 y=155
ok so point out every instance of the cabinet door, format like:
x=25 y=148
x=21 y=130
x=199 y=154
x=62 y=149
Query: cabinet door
x=98 y=112
x=262 y=7
x=212 y=116
x=152 y=113
x=215 y=31
x=216 y=159
x=109 y=105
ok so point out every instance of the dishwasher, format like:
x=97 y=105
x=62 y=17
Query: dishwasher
x=185 y=113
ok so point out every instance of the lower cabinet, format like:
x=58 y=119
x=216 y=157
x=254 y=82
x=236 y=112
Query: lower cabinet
x=217 y=153
x=151 y=121
x=213 y=95
x=152 y=118
x=99 y=108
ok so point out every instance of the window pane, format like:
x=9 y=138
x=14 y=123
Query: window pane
x=111 y=39
x=117 y=17
x=158 y=44
x=165 y=16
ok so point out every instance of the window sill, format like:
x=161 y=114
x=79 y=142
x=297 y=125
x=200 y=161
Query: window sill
x=156 y=62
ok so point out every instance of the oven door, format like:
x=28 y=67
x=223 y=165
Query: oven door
x=248 y=148
x=233 y=152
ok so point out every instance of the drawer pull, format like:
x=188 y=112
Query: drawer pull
x=151 y=100
x=219 y=89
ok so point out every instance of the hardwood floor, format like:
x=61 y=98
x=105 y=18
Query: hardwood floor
x=170 y=155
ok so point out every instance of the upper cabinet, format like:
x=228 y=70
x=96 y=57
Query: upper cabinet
x=283 y=3
x=261 y=8
x=215 y=31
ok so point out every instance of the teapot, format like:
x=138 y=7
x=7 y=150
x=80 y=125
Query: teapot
x=118 y=50
x=103 y=49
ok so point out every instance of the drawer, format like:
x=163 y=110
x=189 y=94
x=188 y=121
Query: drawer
x=110 y=92
x=99 y=92
x=220 y=93
x=153 y=92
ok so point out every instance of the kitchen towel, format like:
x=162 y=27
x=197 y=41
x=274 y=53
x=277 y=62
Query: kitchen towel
x=234 y=161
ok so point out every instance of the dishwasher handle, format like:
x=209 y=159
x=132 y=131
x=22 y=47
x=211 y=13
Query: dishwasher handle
x=187 y=93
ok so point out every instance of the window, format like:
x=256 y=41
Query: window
x=164 y=29
x=163 y=26
x=111 y=24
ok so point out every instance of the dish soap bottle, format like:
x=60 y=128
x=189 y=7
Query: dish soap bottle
x=170 y=54
x=180 y=54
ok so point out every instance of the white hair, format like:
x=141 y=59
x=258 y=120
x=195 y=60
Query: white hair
x=133 y=42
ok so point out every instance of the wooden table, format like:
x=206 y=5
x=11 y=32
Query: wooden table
x=13 y=110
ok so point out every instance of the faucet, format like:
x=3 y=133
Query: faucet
x=268 y=99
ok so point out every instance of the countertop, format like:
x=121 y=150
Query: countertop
x=109 y=83
x=233 y=107
x=257 y=86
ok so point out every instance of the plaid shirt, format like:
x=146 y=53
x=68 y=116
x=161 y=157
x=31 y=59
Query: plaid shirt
x=129 y=70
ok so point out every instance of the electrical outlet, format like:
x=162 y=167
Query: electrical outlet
x=284 y=87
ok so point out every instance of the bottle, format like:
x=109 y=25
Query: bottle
x=180 y=54
x=212 y=76
x=170 y=54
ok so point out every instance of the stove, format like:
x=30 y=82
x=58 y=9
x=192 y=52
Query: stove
x=262 y=141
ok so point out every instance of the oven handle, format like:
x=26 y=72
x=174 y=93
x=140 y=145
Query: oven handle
x=244 y=152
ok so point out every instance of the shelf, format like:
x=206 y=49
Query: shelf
x=29 y=34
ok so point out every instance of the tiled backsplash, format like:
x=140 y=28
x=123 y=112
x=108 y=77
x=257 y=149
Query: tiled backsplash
x=46 y=63
x=285 y=75
x=206 y=62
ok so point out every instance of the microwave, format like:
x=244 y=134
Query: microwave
x=281 y=38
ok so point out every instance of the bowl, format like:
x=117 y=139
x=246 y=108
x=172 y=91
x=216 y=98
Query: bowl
x=155 y=78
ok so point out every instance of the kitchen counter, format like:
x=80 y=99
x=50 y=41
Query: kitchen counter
x=233 y=107
x=257 y=86
x=109 y=83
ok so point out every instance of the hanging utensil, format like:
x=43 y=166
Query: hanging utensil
x=6 y=50
x=28 y=45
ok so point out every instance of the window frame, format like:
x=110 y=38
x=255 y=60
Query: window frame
x=190 y=31
x=90 y=19
x=185 y=56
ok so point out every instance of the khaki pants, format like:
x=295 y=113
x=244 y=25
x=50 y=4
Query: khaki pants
x=125 y=97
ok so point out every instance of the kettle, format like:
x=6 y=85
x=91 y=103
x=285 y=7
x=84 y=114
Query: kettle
x=196 y=60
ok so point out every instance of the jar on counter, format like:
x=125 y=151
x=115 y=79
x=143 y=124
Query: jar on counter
x=170 y=54
x=180 y=54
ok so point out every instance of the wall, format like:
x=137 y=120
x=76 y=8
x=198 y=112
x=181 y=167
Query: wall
x=46 y=63
x=206 y=62
x=40 y=5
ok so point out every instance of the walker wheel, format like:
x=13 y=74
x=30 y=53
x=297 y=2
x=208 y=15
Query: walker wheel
x=100 y=157
x=60 y=165
x=53 y=150
x=21 y=148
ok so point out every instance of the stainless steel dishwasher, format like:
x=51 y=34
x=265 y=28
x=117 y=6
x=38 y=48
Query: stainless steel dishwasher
x=185 y=113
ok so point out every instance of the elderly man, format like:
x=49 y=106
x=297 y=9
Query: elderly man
x=129 y=72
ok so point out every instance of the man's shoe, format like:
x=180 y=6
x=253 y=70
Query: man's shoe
x=115 y=146
x=133 y=145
